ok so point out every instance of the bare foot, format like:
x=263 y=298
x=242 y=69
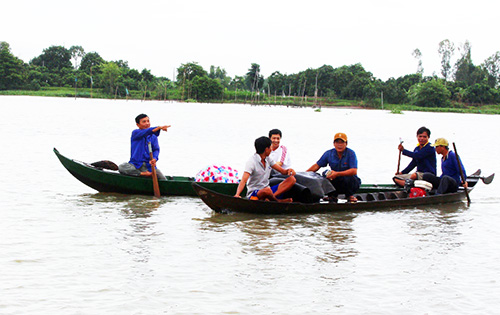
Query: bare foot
x=285 y=200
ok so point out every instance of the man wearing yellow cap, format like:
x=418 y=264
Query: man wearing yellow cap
x=344 y=169
x=450 y=178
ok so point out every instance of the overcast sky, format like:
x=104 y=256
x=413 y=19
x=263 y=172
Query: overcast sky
x=286 y=36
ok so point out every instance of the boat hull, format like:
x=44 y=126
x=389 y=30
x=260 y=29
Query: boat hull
x=111 y=181
x=373 y=201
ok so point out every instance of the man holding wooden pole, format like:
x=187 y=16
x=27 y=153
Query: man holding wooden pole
x=453 y=171
x=141 y=162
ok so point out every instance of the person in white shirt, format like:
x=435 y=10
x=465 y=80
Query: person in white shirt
x=279 y=153
x=256 y=175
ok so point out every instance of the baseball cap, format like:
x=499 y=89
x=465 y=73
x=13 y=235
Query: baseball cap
x=340 y=135
x=441 y=141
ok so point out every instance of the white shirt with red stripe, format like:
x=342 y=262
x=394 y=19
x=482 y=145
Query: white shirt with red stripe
x=281 y=155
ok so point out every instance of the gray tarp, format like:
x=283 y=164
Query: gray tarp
x=317 y=184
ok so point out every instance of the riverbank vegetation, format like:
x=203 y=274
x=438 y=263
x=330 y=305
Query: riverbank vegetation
x=62 y=72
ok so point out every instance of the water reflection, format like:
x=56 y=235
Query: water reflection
x=438 y=228
x=327 y=237
x=131 y=206
x=139 y=214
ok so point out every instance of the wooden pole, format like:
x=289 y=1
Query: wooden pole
x=156 y=187
x=464 y=180
x=91 y=82
x=399 y=159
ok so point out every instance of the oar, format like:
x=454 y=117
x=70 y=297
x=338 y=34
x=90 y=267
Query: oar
x=487 y=180
x=156 y=187
x=461 y=173
x=399 y=159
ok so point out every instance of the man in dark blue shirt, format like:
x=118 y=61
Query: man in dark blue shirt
x=451 y=177
x=423 y=158
x=140 y=163
x=343 y=169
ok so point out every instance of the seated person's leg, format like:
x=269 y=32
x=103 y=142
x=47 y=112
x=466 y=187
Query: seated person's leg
x=128 y=169
x=447 y=185
x=431 y=178
x=400 y=179
x=352 y=186
x=159 y=174
x=266 y=193
x=347 y=185
x=284 y=186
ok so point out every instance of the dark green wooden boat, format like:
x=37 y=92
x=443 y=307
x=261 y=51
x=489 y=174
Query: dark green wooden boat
x=104 y=180
x=224 y=203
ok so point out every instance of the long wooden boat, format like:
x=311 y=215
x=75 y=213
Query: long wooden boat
x=104 y=180
x=224 y=203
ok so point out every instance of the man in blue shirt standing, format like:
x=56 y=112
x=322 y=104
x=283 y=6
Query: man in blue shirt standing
x=344 y=169
x=423 y=158
x=451 y=177
x=140 y=163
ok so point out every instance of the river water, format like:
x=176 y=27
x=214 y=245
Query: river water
x=66 y=249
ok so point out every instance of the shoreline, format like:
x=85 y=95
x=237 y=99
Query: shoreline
x=295 y=102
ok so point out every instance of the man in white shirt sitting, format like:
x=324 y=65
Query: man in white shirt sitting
x=257 y=171
x=279 y=153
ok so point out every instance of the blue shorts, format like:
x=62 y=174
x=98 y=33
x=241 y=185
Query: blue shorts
x=273 y=188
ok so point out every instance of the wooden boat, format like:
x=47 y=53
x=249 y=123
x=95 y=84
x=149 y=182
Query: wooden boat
x=104 y=180
x=225 y=203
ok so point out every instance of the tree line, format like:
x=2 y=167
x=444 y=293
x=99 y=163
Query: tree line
x=461 y=82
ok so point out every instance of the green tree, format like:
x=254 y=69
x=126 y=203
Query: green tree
x=220 y=75
x=446 y=50
x=91 y=62
x=111 y=74
x=123 y=64
x=470 y=74
x=417 y=54
x=187 y=72
x=237 y=83
x=203 y=88
x=492 y=66
x=343 y=76
x=276 y=83
x=11 y=69
x=325 y=80
x=396 y=90
x=56 y=61
x=480 y=94
x=253 y=79
x=349 y=82
x=77 y=53
x=147 y=76
x=54 y=58
x=432 y=93
x=466 y=71
x=134 y=74
x=131 y=79
x=91 y=66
